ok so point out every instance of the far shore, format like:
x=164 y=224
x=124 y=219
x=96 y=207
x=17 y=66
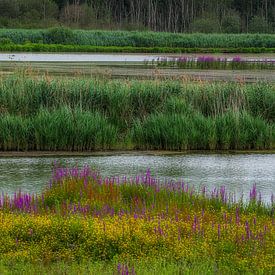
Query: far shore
x=125 y=152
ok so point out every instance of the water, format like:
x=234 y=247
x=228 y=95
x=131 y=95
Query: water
x=75 y=57
x=95 y=57
x=237 y=172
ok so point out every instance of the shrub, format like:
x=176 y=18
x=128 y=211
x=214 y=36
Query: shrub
x=59 y=35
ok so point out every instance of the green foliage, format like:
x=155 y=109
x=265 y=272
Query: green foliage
x=189 y=132
x=9 y=8
x=136 y=39
x=259 y=24
x=231 y=23
x=158 y=15
x=5 y=41
x=59 y=35
x=83 y=217
x=31 y=47
x=89 y=114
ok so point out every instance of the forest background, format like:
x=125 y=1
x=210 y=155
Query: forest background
x=209 y=16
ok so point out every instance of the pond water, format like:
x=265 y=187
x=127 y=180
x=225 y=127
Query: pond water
x=75 y=57
x=237 y=172
x=95 y=57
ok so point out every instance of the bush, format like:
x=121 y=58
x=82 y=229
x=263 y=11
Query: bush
x=59 y=35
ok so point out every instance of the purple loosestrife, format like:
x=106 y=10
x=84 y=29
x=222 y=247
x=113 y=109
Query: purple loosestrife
x=253 y=193
x=223 y=194
x=237 y=59
x=237 y=216
x=247 y=230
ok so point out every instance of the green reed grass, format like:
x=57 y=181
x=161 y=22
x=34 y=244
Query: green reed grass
x=88 y=114
x=61 y=129
x=36 y=47
x=124 y=100
x=195 y=131
x=142 y=39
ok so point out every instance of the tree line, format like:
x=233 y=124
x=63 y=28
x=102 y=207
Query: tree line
x=232 y=16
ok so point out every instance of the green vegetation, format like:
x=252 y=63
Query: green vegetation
x=33 y=47
x=66 y=40
x=136 y=39
x=228 y=16
x=84 y=115
x=139 y=224
x=142 y=267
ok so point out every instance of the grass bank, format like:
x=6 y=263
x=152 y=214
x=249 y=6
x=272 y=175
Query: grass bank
x=80 y=40
x=92 y=114
x=138 y=224
x=36 y=47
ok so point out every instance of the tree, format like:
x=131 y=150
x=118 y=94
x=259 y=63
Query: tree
x=9 y=8
x=207 y=24
x=231 y=23
x=259 y=24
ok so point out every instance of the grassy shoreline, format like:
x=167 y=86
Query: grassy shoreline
x=27 y=154
x=33 y=47
x=60 y=39
x=140 y=224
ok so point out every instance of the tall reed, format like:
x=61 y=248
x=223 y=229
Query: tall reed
x=25 y=96
x=61 y=129
x=194 y=131
x=89 y=114
x=142 y=39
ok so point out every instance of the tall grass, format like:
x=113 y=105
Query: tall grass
x=90 y=114
x=142 y=39
x=39 y=47
x=124 y=100
x=61 y=129
x=189 y=132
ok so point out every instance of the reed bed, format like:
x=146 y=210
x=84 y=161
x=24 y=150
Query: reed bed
x=125 y=222
x=137 y=39
x=94 y=114
x=61 y=129
x=39 y=47
x=195 y=132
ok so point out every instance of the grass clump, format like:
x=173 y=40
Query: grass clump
x=195 y=132
x=61 y=129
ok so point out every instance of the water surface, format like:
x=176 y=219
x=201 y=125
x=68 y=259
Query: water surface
x=237 y=172
x=116 y=57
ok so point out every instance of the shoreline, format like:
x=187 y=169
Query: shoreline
x=27 y=154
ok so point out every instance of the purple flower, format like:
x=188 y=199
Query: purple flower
x=237 y=59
